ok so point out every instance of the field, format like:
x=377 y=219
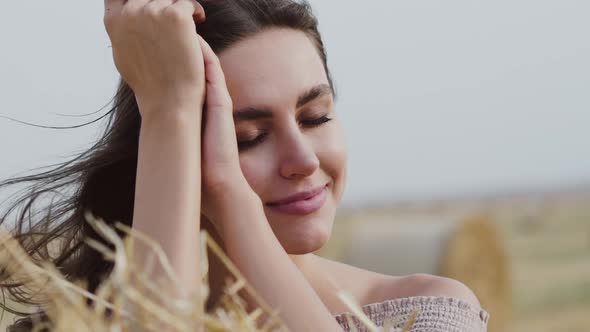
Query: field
x=550 y=252
x=547 y=241
x=546 y=238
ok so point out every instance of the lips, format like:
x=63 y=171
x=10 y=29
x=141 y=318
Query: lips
x=304 y=206
x=298 y=197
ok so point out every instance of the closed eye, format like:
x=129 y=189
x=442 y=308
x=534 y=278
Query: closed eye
x=247 y=144
x=317 y=122
x=260 y=138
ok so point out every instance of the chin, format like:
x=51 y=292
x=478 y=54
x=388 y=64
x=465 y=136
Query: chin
x=302 y=249
x=300 y=235
x=306 y=239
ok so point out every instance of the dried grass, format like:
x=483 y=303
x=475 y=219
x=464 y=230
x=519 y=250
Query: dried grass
x=130 y=301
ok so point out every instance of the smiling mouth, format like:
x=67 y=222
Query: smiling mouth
x=299 y=197
x=303 y=206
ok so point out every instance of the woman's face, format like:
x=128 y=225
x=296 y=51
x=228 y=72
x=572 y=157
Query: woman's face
x=294 y=148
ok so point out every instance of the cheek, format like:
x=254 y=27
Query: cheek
x=333 y=154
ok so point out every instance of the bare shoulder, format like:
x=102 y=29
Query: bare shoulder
x=422 y=284
x=373 y=287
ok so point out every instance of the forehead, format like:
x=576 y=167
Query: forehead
x=271 y=68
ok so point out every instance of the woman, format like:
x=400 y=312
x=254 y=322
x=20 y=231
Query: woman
x=255 y=73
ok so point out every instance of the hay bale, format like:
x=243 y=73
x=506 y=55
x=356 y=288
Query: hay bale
x=475 y=255
x=468 y=250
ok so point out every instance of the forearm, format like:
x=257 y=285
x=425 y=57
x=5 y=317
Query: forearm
x=168 y=191
x=255 y=250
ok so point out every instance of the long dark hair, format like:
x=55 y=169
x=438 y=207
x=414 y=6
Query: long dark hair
x=102 y=178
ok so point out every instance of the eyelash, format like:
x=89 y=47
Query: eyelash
x=312 y=123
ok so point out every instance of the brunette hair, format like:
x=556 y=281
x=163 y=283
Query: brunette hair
x=102 y=178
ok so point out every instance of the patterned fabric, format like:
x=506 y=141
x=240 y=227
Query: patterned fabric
x=435 y=314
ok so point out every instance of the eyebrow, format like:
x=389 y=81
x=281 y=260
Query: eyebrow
x=252 y=113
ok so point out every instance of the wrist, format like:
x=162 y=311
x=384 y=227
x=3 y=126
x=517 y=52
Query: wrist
x=237 y=204
x=171 y=119
x=166 y=107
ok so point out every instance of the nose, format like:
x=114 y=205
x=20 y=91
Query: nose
x=298 y=157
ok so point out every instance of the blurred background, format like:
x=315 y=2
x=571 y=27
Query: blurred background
x=467 y=123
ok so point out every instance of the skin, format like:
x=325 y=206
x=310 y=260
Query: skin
x=212 y=184
x=281 y=65
x=189 y=164
x=294 y=156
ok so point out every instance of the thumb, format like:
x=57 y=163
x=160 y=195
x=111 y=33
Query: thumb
x=193 y=7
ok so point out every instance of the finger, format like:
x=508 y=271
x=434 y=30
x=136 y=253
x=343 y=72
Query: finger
x=218 y=115
x=190 y=6
x=134 y=5
x=215 y=78
x=158 y=5
x=112 y=10
x=113 y=6
x=137 y=2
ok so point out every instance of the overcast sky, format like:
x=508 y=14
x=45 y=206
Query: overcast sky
x=437 y=97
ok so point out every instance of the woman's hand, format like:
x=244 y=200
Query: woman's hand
x=220 y=163
x=156 y=50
